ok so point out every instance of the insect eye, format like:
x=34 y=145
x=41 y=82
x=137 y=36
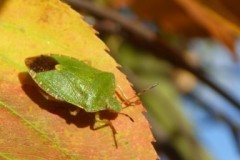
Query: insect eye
x=41 y=63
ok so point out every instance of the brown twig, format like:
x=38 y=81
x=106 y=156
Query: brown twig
x=147 y=39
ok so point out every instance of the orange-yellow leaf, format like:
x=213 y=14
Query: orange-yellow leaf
x=35 y=128
x=208 y=19
x=189 y=18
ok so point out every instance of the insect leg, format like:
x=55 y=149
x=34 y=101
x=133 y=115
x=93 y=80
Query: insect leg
x=125 y=100
x=75 y=112
x=122 y=95
x=100 y=123
x=128 y=101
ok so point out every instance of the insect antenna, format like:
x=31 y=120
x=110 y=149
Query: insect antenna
x=128 y=101
x=147 y=89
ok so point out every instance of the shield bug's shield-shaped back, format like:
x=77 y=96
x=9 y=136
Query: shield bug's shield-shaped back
x=75 y=82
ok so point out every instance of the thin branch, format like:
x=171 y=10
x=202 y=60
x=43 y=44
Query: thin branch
x=131 y=26
x=147 y=39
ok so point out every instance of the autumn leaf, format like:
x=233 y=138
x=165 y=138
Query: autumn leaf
x=35 y=128
x=226 y=32
x=189 y=18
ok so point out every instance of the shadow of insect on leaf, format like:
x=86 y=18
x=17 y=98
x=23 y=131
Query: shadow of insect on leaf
x=62 y=109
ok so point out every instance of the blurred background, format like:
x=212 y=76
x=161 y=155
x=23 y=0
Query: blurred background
x=192 y=49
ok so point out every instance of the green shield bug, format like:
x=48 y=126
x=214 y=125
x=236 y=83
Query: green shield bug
x=73 y=81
